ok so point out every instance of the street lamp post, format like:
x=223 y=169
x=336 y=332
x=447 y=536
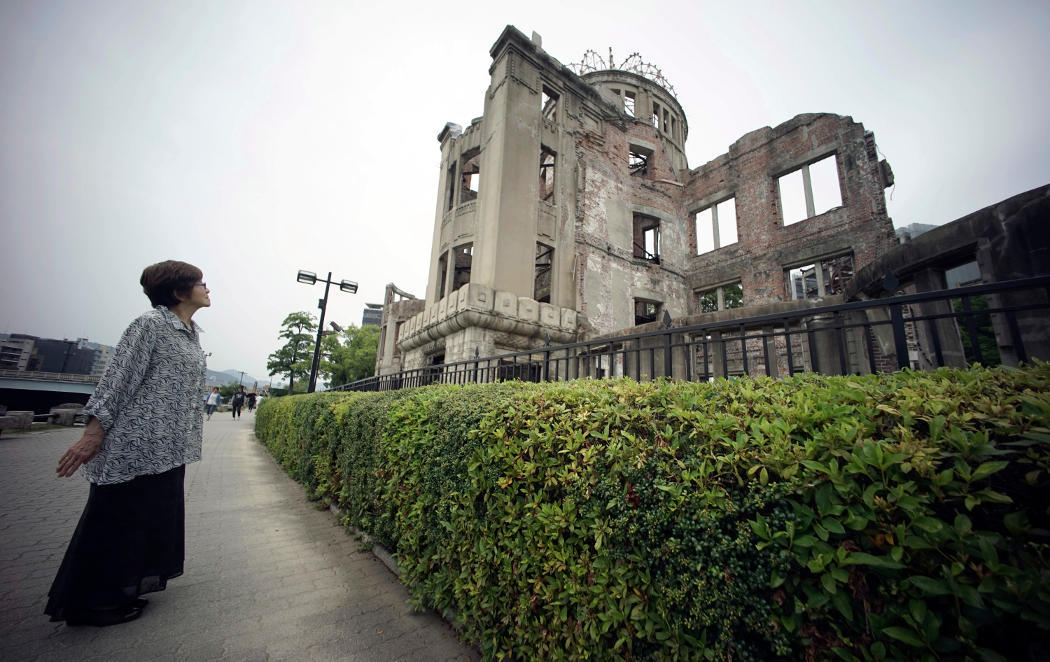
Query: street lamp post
x=310 y=278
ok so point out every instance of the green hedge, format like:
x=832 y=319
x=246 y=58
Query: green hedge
x=895 y=517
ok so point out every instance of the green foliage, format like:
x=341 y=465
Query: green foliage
x=294 y=358
x=226 y=391
x=883 y=517
x=352 y=359
x=982 y=327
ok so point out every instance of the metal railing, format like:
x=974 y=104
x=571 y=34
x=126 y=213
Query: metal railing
x=37 y=375
x=998 y=323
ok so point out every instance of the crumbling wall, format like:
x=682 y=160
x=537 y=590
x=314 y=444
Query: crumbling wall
x=766 y=246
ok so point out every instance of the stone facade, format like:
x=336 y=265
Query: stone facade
x=568 y=211
x=398 y=307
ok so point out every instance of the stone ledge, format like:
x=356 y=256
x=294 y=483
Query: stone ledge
x=475 y=305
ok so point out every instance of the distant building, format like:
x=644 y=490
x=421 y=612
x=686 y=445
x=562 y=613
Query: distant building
x=909 y=232
x=64 y=356
x=24 y=352
x=373 y=315
x=15 y=352
x=103 y=353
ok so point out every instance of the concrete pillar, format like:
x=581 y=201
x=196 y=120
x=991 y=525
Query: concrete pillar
x=946 y=329
x=824 y=341
x=770 y=355
x=715 y=351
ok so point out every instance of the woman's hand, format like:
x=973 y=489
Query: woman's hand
x=82 y=451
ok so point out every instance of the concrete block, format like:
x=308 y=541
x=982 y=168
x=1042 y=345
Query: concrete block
x=549 y=315
x=61 y=416
x=568 y=319
x=462 y=298
x=23 y=419
x=480 y=297
x=506 y=304
x=528 y=309
x=442 y=307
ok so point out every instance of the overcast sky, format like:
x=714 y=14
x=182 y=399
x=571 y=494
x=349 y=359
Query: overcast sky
x=255 y=138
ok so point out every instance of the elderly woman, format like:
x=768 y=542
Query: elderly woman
x=145 y=425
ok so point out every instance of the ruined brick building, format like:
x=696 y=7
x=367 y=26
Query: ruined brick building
x=568 y=211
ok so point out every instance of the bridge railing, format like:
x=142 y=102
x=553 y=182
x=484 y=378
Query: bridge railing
x=997 y=323
x=49 y=376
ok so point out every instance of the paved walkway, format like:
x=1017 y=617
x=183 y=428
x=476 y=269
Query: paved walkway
x=268 y=577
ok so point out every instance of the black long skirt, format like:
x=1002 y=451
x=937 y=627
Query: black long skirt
x=129 y=541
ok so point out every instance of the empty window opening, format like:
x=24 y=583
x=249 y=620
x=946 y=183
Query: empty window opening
x=547 y=165
x=464 y=256
x=442 y=275
x=470 y=179
x=667 y=121
x=674 y=128
x=549 y=103
x=451 y=186
x=725 y=297
x=822 y=278
x=647 y=238
x=963 y=275
x=397 y=336
x=638 y=160
x=544 y=265
x=656 y=115
x=646 y=311
x=716 y=226
x=628 y=102
x=810 y=191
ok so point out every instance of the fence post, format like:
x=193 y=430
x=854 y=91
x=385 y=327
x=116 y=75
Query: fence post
x=547 y=358
x=900 y=341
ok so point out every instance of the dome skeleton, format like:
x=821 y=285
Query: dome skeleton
x=634 y=63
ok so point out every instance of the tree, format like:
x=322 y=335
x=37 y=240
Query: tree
x=354 y=358
x=226 y=391
x=295 y=356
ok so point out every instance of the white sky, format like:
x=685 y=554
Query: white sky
x=254 y=138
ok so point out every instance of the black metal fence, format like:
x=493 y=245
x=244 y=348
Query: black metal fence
x=999 y=323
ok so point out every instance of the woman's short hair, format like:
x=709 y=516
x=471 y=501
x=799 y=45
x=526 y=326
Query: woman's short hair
x=163 y=280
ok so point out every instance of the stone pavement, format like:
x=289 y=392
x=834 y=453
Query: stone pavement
x=268 y=577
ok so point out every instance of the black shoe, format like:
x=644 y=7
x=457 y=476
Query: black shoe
x=103 y=617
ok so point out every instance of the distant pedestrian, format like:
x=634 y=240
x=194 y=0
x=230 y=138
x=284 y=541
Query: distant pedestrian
x=213 y=401
x=251 y=402
x=145 y=424
x=238 y=401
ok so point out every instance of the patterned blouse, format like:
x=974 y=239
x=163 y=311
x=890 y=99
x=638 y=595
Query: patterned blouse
x=149 y=400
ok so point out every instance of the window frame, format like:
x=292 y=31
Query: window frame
x=550 y=99
x=548 y=181
x=658 y=308
x=719 y=291
x=641 y=224
x=807 y=189
x=818 y=264
x=715 y=230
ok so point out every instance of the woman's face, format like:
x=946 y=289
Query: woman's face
x=199 y=295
